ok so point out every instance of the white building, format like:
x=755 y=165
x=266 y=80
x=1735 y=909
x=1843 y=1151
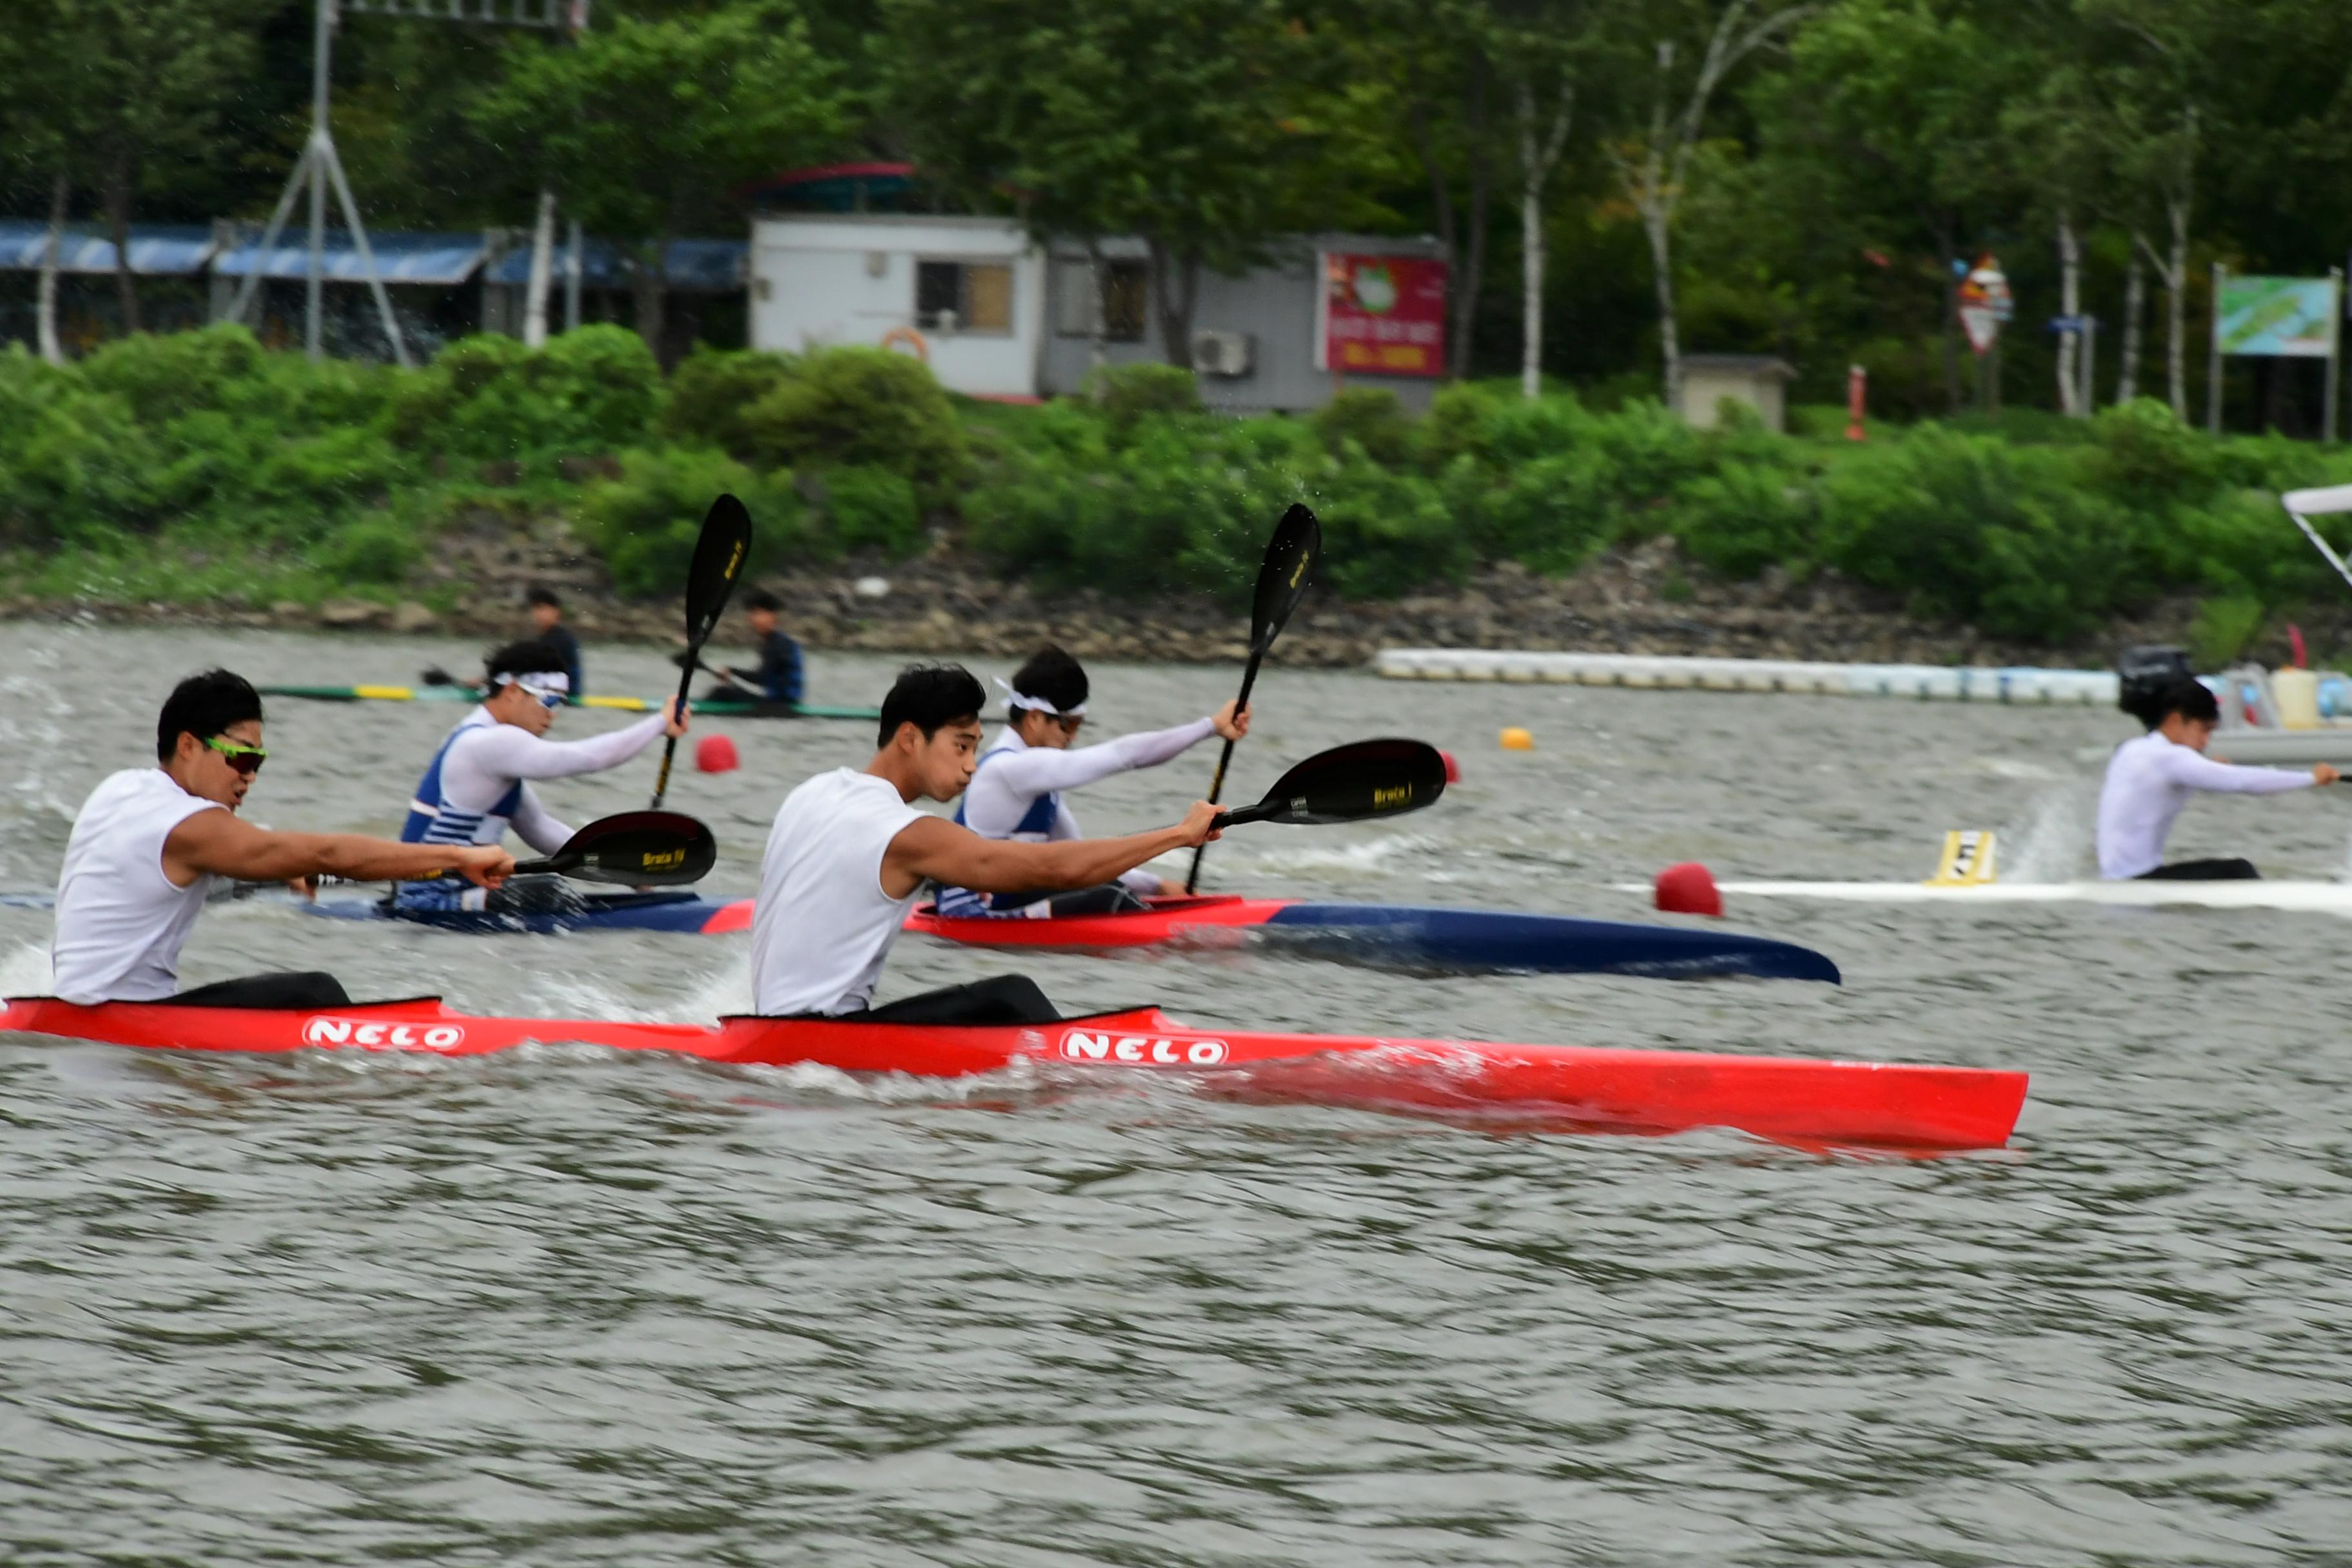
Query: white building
x=995 y=315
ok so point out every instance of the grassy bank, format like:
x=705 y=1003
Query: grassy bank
x=198 y=468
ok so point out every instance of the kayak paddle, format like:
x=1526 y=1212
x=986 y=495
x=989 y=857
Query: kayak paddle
x=1290 y=557
x=719 y=557
x=634 y=849
x=1353 y=782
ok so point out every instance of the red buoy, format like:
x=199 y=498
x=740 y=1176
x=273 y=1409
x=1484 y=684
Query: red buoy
x=1452 y=768
x=1688 y=890
x=716 y=754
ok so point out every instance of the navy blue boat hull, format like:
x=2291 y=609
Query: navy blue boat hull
x=671 y=911
x=1404 y=935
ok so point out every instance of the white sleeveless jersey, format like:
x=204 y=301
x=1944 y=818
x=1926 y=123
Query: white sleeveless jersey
x=120 y=922
x=823 y=925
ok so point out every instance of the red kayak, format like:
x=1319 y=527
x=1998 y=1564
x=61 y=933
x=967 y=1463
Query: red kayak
x=1812 y=1104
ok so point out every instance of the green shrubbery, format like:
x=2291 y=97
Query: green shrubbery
x=200 y=464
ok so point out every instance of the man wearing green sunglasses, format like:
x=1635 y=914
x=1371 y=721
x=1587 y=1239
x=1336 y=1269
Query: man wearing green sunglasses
x=151 y=843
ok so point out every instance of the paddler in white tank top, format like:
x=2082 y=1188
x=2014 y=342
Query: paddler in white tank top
x=1016 y=790
x=479 y=784
x=2150 y=780
x=850 y=852
x=150 y=843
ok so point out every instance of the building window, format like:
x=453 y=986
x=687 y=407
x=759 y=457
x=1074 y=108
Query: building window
x=963 y=297
x=1125 y=287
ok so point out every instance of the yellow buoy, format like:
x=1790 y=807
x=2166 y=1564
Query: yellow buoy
x=1514 y=739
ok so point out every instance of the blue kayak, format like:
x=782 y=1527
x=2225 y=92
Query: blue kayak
x=1403 y=936
x=672 y=910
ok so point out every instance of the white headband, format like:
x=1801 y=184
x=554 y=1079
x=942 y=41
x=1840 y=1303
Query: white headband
x=1034 y=704
x=537 y=682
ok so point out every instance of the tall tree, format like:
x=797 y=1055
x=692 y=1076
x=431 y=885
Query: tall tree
x=153 y=76
x=650 y=126
x=1172 y=119
x=34 y=111
x=1694 y=45
x=1542 y=41
x=1892 y=108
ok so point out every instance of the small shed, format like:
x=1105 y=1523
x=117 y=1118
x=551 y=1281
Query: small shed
x=1759 y=381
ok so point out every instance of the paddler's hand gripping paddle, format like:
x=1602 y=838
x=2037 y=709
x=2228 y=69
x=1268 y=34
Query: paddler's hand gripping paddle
x=719 y=558
x=1353 y=782
x=1290 y=558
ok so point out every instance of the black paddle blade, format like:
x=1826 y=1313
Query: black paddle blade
x=1351 y=783
x=719 y=558
x=1291 y=556
x=636 y=849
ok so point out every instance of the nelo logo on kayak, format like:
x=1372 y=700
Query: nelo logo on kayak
x=375 y=1035
x=1156 y=1050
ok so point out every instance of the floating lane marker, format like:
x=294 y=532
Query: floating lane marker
x=1922 y=682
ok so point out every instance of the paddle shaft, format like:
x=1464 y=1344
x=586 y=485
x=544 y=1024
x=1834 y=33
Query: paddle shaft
x=669 y=746
x=1225 y=760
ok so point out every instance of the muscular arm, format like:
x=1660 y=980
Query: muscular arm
x=219 y=843
x=538 y=827
x=938 y=850
x=2184 y=767
x=1041 y=768
x=508 y=752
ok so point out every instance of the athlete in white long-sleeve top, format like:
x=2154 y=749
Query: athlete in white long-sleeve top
x=2149 y=780
x=477 y=785
x=1017 y=793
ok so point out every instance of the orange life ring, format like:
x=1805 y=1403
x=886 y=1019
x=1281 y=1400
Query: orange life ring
x=911 y=338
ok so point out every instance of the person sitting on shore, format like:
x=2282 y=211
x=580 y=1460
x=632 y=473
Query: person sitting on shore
x=1017 y=793
x=476 y=784
x=2149 y=780
x=547 y=614
x=150 y=844
x=778 y=677
x=850 y=854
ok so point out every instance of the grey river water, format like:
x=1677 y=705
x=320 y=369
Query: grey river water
x=563 y=1307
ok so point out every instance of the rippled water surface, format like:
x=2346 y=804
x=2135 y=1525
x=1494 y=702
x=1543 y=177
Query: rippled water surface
x=563 y=1307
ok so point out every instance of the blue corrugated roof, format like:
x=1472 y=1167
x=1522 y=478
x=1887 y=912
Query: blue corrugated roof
x=704 y=266
x=157 y=250
x=441 y=258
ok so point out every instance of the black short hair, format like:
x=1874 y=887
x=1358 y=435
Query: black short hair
x=931 y=697
x=529 y=657
x=1052 y=674
x=761 y=599
x=540 y=593
x=203 y=706
x=2185 y=695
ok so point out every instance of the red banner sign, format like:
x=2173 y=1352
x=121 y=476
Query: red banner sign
x=1383 y=315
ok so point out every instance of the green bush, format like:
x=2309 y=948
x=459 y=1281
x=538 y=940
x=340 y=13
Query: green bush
x=1744 y=517
x=1128 y=393
x=646 y=522
x=162 y=376
x=1372 y=417
x=378 y=549
x=872 y=508
x=487 y=396
x=858 y=408
x=711 y=391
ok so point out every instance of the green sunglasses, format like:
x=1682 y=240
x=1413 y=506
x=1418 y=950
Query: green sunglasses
x=245 y=759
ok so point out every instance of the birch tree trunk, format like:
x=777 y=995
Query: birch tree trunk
x=2175 y=308
x=2069 y=304
x=118 y=220
x=1098 y=314
x=1538 y=152
x=1175 y=290
x=1656 y=179
x=51 y=349
x=542 y=267
x=2134 y=311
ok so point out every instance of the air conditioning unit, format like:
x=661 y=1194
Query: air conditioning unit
x=1223 y=353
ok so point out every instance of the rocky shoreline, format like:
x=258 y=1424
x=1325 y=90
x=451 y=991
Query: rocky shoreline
x=1647 y=599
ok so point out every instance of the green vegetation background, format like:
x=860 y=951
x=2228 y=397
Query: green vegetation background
x=200 y=467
